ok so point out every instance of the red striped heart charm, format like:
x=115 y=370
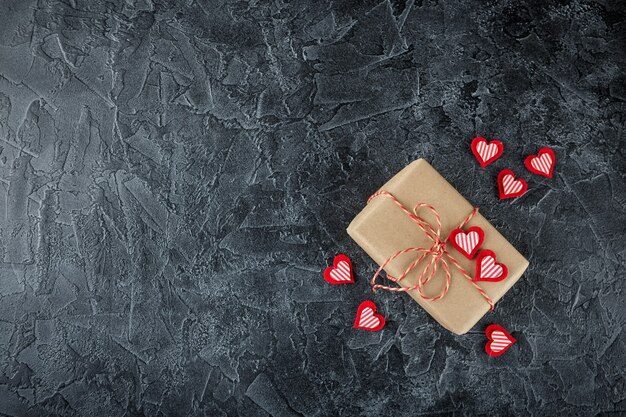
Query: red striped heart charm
x=486 y=152
x=367 y=319
x=487 y=269
x=542 y=163
x=509 y=186
x=467 y=243
x=341 y=272
x=499 y=340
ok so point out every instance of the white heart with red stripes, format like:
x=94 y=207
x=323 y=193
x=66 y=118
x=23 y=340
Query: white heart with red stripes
x=499 y=340
x=542 y=163
x=467 y=241
x=341 y=272
x=487 y=269
x=486 y=152
x=509 y=186
x=367 y=319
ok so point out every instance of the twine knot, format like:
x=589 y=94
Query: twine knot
x=439 y=248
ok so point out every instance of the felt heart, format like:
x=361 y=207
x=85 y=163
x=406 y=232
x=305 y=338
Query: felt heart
x=485 y=152
x=341 y=272
x=542 y=163
x=499 y=340
x=487 y=269
x=467 y=243
x=367 y=319
x=509 y=186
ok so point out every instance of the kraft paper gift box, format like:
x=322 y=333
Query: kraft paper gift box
x=382 y=228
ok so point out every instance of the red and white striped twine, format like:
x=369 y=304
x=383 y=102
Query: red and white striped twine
x=438 y=254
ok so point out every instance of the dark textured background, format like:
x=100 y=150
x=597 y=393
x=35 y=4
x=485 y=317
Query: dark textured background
x=174 y=177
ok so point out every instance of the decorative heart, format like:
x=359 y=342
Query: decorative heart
x=467 y=243
x=367 y=319
x=341 y=272
x=487 y=269
x=499 y=340
x=542 y=163
x=485 y=152
x=509 y=186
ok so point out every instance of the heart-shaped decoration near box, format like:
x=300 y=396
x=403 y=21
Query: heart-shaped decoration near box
x=340 y=272
x=542 y=163
x=499 y=340
x=367 y=319
x=509 y=186
x=487 y=269
x=467 y=243
x=486 y=152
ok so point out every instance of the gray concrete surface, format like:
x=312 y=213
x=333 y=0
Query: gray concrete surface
x=175 y=175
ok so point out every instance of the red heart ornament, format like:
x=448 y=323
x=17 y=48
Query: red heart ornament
x=467 y=243
x=499 y=340
x=487 y=269
x=341 y=272
x=367 y=319
x=542 y=163
x=486 y=152
x=509 y=186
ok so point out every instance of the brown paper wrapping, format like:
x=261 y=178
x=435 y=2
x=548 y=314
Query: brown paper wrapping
x=382 y=229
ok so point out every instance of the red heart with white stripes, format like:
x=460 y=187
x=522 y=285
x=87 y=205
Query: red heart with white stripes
x=509 y=186
x=542 y=163
x=487 y=269
x=467 y=243
x=341 y=272
x=367 y=319
x=499 y=340
x=486 y=152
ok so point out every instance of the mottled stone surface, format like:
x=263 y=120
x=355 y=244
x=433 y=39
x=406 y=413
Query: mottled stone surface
x=175 y=175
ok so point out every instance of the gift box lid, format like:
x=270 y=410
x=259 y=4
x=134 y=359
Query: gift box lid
x=382 y=229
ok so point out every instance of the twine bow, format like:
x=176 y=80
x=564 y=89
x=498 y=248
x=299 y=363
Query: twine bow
x=439 y=255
